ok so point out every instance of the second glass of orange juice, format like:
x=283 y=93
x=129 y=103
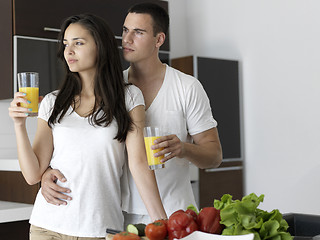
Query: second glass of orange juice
x=28 y=83
x=151 y=134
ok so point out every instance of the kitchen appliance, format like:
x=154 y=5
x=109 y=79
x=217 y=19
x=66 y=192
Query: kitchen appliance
x=33 y=54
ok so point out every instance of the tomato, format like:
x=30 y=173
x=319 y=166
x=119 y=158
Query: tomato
x=126 y=236
x=156 y=230
x=164 y=221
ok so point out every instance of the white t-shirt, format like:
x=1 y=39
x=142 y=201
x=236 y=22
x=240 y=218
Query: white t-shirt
x=181 y=107
x=92 y=162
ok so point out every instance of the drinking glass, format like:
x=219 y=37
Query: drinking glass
x=151 y=134
x=28 y=83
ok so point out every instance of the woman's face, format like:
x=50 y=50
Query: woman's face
x=80 y=50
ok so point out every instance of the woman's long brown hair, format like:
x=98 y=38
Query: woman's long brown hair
x=109 y=86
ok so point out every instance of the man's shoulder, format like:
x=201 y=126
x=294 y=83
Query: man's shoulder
x=183 y=78
x=125 y=75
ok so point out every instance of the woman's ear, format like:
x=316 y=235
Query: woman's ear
x=161 y=37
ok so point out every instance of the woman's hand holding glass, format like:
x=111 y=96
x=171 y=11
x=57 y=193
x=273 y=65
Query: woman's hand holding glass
x=16 y=112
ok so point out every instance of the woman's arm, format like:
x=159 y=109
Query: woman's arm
x=142 y=175
x=35 y=159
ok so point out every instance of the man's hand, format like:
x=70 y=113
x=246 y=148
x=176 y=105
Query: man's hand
x=52 y=192
x=204 y=152
x=172 y=145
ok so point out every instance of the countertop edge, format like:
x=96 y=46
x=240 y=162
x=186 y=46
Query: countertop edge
x=9 y=165
x=12 y=211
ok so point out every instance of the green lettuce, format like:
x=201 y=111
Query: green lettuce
x=243 y=217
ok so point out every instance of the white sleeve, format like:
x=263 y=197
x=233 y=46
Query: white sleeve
x=198 y=111
x=134 y=97
x=46 y=106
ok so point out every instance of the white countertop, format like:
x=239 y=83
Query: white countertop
x=13 y=165
x=9 y=165
x=12 y=211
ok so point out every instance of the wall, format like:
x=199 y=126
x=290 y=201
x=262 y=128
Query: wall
x=277 y=44
x=7 y=137
x=178 y=28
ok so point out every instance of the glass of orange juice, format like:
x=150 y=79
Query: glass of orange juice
x=151 y=134
x=28 y=83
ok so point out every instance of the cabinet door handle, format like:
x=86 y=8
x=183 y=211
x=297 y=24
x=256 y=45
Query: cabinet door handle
x=47 y=29
x=224 y=169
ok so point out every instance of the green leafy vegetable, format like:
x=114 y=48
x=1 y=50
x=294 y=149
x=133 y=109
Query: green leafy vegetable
x=193 y=208
x=243 y=217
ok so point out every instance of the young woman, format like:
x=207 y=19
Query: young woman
x=83 y=130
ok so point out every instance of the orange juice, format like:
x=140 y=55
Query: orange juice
x=32 y=96
x=153 y=162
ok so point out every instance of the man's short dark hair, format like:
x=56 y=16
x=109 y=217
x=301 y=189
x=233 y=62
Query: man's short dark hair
x=159 y=15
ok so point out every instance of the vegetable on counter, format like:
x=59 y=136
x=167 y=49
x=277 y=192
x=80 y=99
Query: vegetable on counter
x=181 y=224
x=137 y=229
x=209 y=220
x=156 y=230
x=191 y=210
x=226 y=217
x=126 y=236
x=243 y=217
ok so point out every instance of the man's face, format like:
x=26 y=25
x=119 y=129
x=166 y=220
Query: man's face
x=138 y=40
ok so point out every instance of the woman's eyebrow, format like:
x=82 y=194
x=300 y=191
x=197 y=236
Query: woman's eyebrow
x=76 y=38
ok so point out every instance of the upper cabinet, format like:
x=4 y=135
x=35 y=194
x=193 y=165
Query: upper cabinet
x=6 y=88
x=42 y=19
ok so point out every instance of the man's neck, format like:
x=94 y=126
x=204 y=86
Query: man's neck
x=143 y=73
x=149 y=78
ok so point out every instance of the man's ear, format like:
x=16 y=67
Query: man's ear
x=161 y=37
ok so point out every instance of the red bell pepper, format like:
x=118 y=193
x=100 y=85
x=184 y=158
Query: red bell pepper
x=209 y=220
x=181 y=224
x=192 y=213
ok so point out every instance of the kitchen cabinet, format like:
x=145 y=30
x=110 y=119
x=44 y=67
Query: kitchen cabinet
x=15 y=230
x=14 y=188
x=51 y=14
x=220 y=79
x=42 y=19
x=14 y=223
x=6 y=60
x=215 y=182
x=16 y=203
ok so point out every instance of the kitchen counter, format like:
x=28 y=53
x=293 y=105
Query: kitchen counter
x=13 y=165
x=9 y=165
x=12 y=211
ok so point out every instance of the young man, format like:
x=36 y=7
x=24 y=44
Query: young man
x=174 y=101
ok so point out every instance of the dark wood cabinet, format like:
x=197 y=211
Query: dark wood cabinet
x=220 y=79
x=6 y=59
x=14 y=188
x=38 y=18
x=15 y=230
x=214 y=183
x=42 y=19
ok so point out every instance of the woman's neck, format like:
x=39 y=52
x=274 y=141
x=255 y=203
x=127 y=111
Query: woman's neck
x=87 y=81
